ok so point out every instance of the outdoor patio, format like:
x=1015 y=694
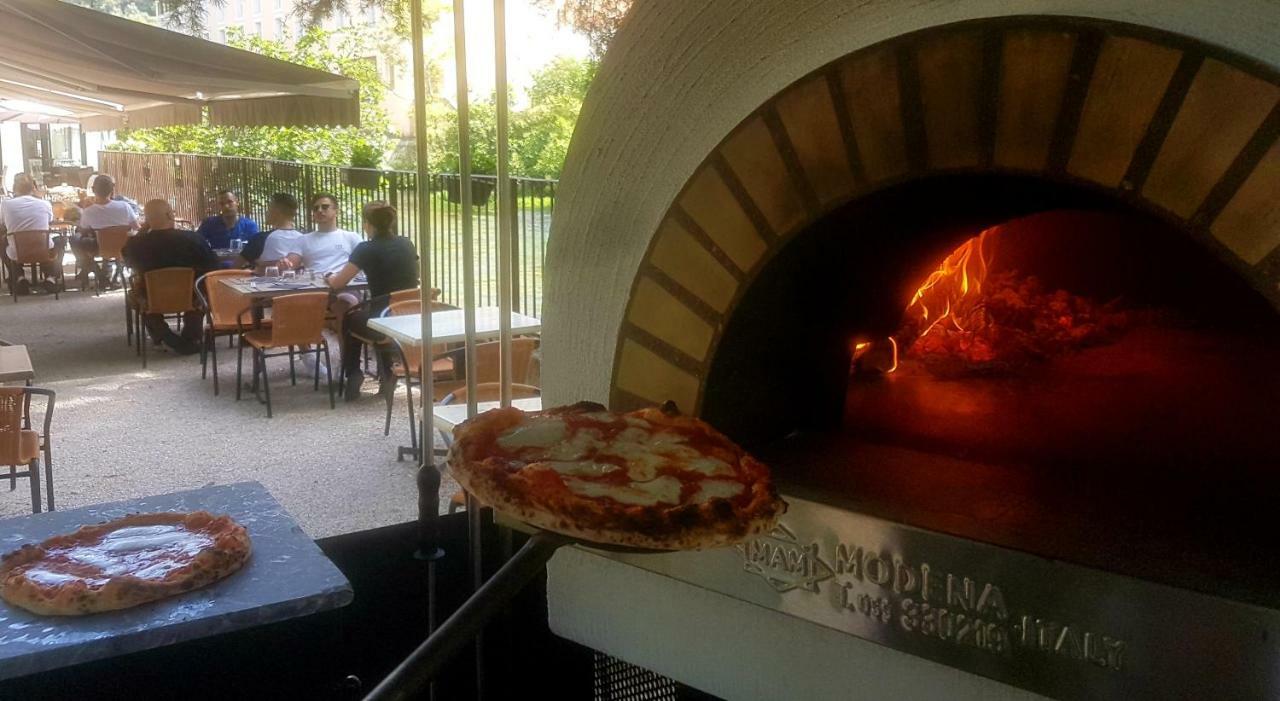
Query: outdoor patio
x=121 y=432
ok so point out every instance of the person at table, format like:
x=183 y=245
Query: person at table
x=274 y=244
x=105 y=210
x=328 y=248
x=390 y=263
x=228 y=224
x=163 y=245
x=26 y=212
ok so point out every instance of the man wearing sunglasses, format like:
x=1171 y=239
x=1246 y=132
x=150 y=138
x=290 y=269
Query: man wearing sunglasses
x=327 y=248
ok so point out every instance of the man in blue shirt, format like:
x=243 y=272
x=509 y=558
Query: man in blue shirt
x=221 y=228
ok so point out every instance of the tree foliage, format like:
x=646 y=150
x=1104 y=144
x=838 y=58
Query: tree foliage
x=342 y=51
x=598 y=20
x=539 y=133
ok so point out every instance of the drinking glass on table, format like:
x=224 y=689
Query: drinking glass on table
x=271 y=272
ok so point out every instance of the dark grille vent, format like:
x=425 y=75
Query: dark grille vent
x=615 y=680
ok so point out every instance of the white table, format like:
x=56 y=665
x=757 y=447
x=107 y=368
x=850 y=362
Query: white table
x=447 y=326
x=450 y=415
x=15 y=364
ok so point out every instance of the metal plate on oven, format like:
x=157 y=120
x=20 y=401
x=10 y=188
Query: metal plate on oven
x=1052 y=627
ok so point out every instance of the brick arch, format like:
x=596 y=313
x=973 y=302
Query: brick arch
x=1165 y=123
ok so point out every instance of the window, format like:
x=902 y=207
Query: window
x=257 y=28
x=257 y=7
x=279 y=4
x=280 y=28
x=224 y=35
x=239 y=8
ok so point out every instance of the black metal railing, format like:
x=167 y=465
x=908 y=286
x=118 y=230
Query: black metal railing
x=191 y=184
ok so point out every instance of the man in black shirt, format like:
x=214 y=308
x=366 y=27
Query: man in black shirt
x=163 y=246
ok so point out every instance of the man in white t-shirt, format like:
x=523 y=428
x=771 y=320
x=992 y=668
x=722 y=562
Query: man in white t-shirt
x=104 y=211
x=275 y=243
x=26 y=212
x=328 y=248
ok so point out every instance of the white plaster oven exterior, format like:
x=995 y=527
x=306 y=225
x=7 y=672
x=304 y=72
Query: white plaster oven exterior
x=678 y=79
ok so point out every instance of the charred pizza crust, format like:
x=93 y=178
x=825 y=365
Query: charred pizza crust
x=221 y=546
x=529 y=495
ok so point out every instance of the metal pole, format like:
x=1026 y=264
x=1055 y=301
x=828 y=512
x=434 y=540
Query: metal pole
x=431 y=656
x=504 y=201
x=428 y=478
x=428 y=475
x=464 y=187
x=475 y=526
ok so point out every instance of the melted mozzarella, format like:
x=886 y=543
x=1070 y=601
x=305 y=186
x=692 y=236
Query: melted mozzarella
x=539 y=431
x=583 y=443
x=583 y=468
x=709 y=466
x=646 y=453
x=663 y=489
x=717 y=489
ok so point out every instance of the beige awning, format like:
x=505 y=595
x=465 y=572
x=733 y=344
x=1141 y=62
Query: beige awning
x=110 y=72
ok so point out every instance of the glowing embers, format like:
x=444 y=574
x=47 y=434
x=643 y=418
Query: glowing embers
x=968 y=317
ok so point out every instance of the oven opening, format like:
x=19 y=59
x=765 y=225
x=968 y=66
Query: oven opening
x=1022 y=363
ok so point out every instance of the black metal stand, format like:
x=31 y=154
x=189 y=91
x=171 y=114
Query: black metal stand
x=408 y=678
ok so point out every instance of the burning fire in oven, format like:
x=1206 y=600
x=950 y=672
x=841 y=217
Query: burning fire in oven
x=967 y=317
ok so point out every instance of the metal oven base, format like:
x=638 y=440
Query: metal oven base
x=798 y=615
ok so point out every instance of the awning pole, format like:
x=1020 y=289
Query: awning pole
x=428 y=475
x=464 y=190
x=475 y=526
x=505 y=201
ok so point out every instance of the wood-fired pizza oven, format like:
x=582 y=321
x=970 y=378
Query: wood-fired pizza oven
x=995 y=295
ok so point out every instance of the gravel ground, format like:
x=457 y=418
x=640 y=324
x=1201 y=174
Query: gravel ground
x=121 y=432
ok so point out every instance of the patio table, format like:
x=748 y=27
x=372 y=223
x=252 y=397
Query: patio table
x=287 y=576
x=450 y=415
x=261 y=289
x=15 y=364
x=447 y=326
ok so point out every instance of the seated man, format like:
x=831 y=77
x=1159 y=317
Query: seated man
x=103 y=211
x=328 y=248
x=228 y=224
x=26 y=212
x=274 y=244
x=163 y=246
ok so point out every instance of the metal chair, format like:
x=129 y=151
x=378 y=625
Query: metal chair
x=379 y=344
x=443 y=367
x=22 y=446
x=296 y=320
x=226 y=313
x=111 y=241
x=31 y=248
x=168 y=293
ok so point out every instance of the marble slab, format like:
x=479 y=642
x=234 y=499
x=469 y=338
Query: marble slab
x=287 y=576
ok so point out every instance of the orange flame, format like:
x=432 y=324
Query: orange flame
x=951 y=293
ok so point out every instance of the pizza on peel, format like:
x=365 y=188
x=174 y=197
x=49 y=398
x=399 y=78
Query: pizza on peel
x=123 y=563
x=647 y=478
